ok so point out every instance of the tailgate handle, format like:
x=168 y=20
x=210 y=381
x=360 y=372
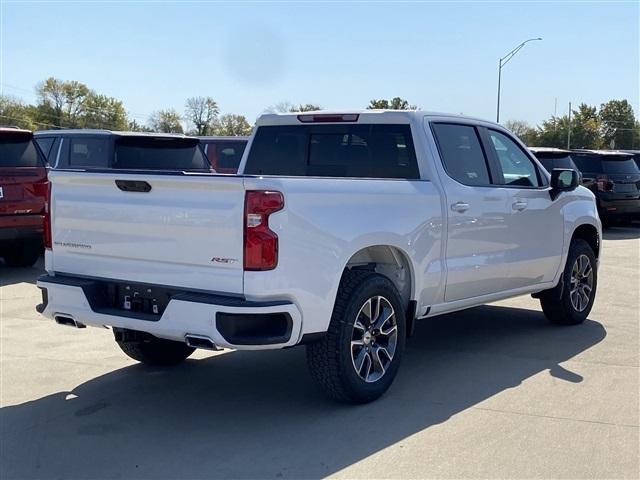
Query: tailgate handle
x=133 y=186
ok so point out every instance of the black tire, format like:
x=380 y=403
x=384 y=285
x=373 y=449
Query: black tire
x=330 y=359
x=150 y=350
x=556 y=303
x=24 y=254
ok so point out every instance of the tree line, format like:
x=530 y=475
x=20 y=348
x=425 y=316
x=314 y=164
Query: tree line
x=72 y=104
x=613 y=125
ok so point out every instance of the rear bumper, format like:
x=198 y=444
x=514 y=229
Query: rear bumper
x=229 y=321
x=21 y=227
x=611 y=208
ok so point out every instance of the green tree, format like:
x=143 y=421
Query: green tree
x=553 y=132
x=134 y=126
x=202 y=113
x=15 y=113
x=232 y=125
x=62 y=102
x=166 y=121
x=395 y=103
x=100 y=111
x=617 y=122
x=585 y=127
x=523 y=131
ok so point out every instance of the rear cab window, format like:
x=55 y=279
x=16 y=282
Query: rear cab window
x=334 y=150
x=18 y=149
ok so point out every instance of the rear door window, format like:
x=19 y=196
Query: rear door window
x=19 y=151
x=462 y=153
x=352 y=150
x=160 y=153
x=88 y=152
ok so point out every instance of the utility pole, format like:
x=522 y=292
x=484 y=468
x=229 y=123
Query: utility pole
x=569 y=129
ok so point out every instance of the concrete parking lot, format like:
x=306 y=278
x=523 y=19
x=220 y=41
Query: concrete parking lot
x=493 y=392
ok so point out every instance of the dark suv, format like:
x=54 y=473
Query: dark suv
x=614 y=178
x=551 y=158
x=105 y=149
x=23 y=195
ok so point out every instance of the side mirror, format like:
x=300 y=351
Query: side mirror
x=563 y=180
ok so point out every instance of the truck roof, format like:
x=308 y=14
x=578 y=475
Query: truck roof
x=95 y=131
x=364 y=116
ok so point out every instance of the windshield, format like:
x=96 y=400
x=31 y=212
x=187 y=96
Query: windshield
x=169 y=154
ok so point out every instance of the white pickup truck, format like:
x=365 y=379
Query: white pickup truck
x=340 y=230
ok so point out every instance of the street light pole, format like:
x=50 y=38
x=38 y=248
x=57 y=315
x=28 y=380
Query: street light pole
x=501 y=63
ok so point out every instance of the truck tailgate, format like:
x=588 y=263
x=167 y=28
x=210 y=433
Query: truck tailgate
x=186 y=231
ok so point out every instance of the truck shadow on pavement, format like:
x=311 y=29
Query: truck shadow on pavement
x=628 y=232
x=258 y=415
x=13 y=275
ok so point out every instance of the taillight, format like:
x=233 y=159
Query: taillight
x=47 y=217
x=260 y=242
x=604 y=183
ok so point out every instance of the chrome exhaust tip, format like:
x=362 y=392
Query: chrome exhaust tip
x=68 y=321
x=200 y=341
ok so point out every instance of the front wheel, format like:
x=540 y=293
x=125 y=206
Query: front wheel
x=571 y=301
x=359 y=356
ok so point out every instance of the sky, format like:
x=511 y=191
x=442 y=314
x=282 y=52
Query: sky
x=248 y=56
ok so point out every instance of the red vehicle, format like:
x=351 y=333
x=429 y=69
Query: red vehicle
x=224 y=153
x=23 y=196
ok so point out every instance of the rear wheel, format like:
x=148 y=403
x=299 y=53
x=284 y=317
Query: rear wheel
x=24 y=254
x=359 y=356
x=150 y=350
x=571 y=301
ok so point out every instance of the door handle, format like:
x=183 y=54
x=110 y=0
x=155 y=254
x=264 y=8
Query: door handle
x=133 y=186
x=519 y=205
x=460 y=207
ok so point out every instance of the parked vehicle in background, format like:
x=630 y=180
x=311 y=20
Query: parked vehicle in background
x=23 y=195
x=224 y=153
x=636 y=155
x=339 y=232
x=614 y=178
x=551 y=158
x=106 y=149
